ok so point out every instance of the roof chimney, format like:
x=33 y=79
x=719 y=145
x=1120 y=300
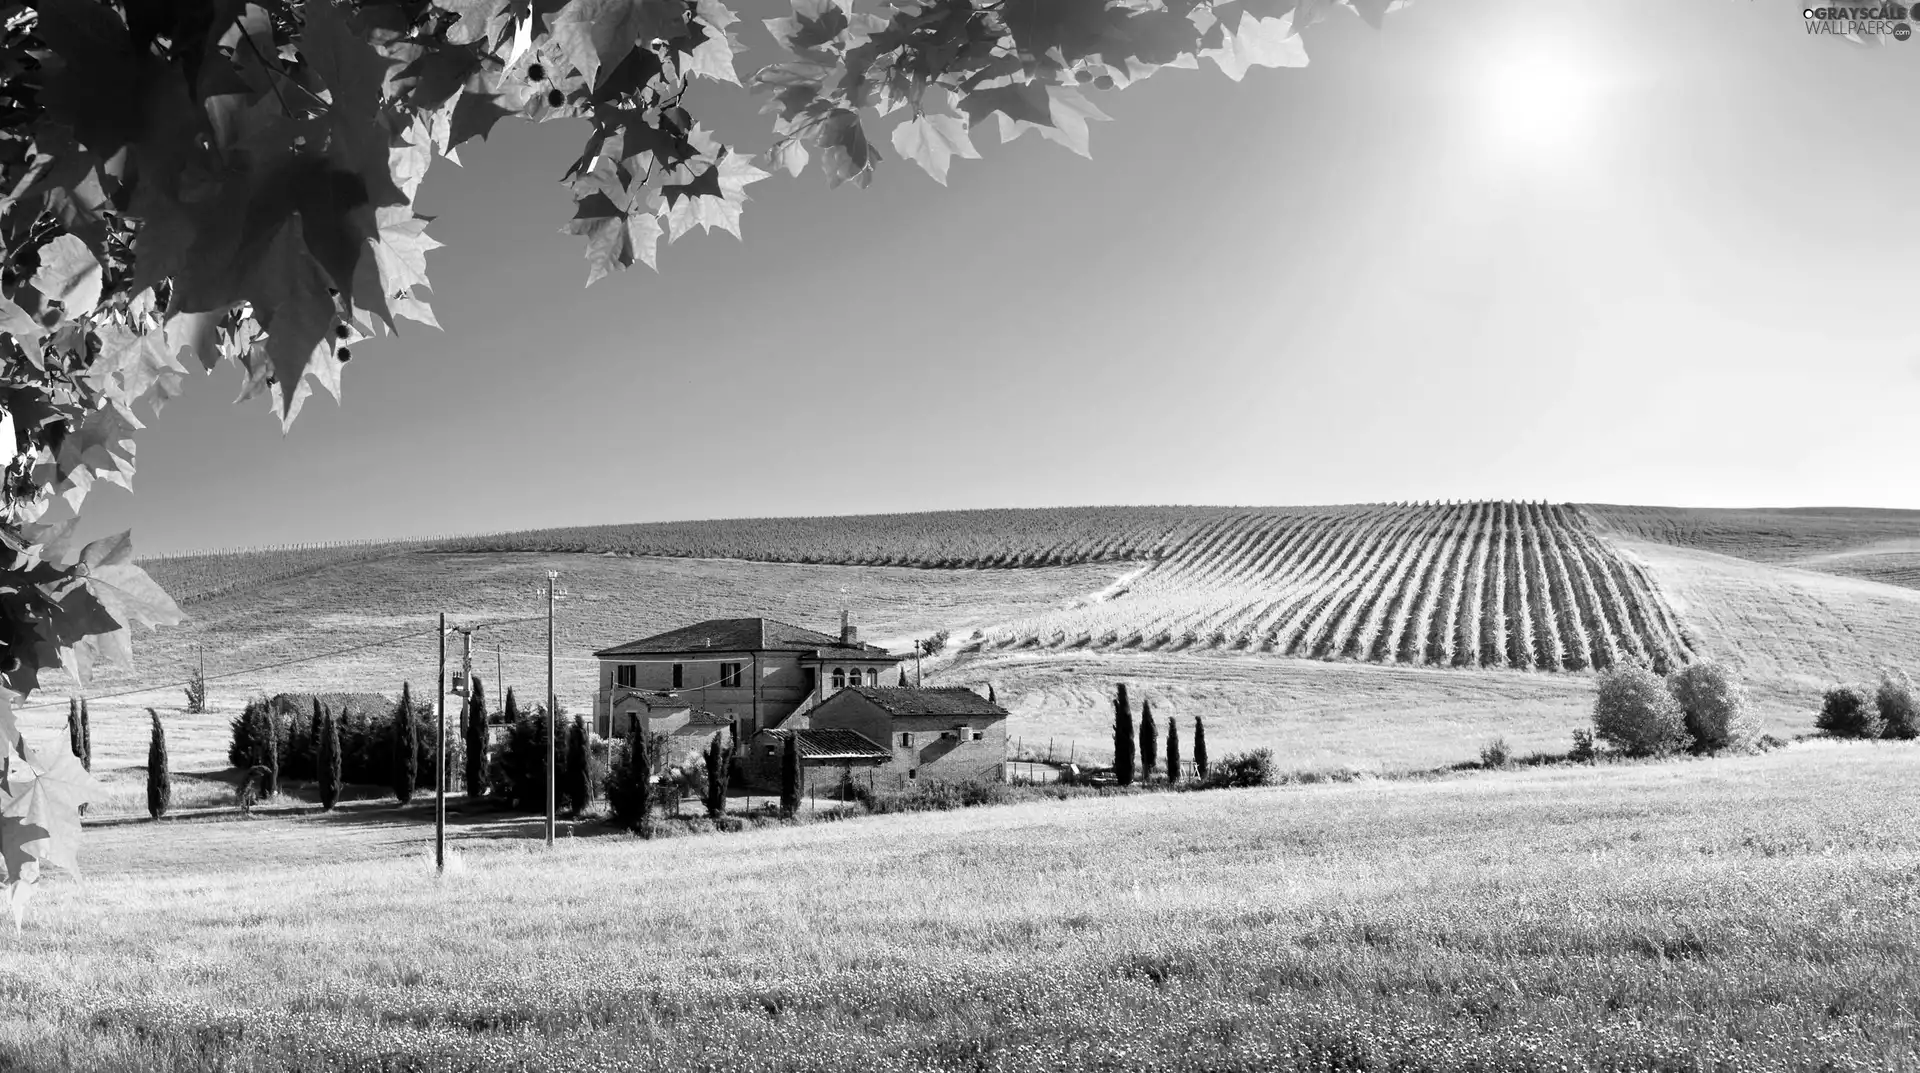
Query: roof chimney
x=849 y=633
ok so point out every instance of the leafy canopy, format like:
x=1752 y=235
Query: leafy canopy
x=190 y=182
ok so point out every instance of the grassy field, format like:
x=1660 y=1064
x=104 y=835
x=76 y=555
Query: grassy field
x=1753 y=913
x=1879 y=545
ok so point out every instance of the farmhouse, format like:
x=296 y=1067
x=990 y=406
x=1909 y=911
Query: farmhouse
x=947 y=735
x=755 y=670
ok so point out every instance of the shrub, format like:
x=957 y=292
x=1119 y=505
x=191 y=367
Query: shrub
x=577 y=784
x=1635 y=714
x=1848 y=712
x=1899 y=716
x=1495 y=753
x=1714 y=706
x=197 y=692
x=1583 y=751
x=1253 y=768
x=630 y=766
x=519 y=771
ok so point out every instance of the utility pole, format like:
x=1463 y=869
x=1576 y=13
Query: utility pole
x=440 y=764
x=466 y=675
x=552 y=575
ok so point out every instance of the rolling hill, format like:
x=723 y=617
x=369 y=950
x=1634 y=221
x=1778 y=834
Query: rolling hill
x=1450 y=622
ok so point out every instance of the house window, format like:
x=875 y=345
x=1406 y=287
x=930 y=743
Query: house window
x=873 y=677
x=730 y=675
x=979 y=735
x=839 y=678
x=906 y=741
x=627 y=675
x=676 y=676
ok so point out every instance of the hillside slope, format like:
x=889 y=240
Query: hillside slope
x=1435 y=620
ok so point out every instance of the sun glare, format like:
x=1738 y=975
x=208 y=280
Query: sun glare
x=1537 y=101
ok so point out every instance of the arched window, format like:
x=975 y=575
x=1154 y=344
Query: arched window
x=839 y=678
x=873 y=677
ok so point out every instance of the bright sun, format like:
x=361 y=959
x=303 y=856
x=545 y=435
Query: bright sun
x=1537 y=102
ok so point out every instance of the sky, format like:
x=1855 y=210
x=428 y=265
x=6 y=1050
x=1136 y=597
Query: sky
x=1632 y=252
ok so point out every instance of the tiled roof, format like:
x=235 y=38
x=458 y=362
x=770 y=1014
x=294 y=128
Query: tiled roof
x=953 y=700
x=834 y=744
x=742 y=635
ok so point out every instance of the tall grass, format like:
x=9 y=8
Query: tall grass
x=1743 y=914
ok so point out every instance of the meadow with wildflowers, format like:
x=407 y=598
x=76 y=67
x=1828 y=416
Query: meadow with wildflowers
x=1744 y=913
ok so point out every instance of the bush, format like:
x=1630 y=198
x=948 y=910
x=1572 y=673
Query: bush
x=1899 y=717
x=629 y=793
x=1243 y=769
x=1635 y=714
x=1495 y=753
x=936 y=796
x=518 y=775
x=1583 y=751
x=1714 y=706
x=1848 y=712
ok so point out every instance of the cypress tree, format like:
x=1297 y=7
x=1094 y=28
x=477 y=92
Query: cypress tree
x=790 y=776
x=1122 y=738
x=1149 y=746
x=640 y=760
x=328 y=761
x=991 y=699
x=1199 y=748
x=159 y=777
x=73 y=726
x=86 y=737
x=477 y=740
x=579 y=779
x=903 y=677
x=1173 y=751
x=406 y=745
x=270 y=786
x=716 y=796
x=313 y=739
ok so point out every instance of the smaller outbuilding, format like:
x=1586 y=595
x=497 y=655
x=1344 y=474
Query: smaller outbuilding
x=948 y=735
x=828 y=758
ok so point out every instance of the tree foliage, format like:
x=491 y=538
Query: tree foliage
x=1122 y=737
x=576 y=783
x=1849 y=712
x=477 y=740
x=1714 y=705
x=184 y=184
x=159 y=775
x=405 y=747
x=1149 y=741
x=1635 y=713
x=1199 y=748
x=790 y=777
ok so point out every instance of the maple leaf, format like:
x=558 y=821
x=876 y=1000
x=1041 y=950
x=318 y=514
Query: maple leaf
x=122 y=587
x=197 y=334
x=814 y=23
x=100 y=443
x=1075 y=27
x=614 y=236
x=932 y=141
x=289 y=295
x=1259 y=42
x=845 y=152
x=597 y=34
x=40 y=799
x=713 y=57
x=794 y=86
x=70 y=273
x=1020 y=101
x=139 y=365
x=1069 y=112
x=25 y=330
